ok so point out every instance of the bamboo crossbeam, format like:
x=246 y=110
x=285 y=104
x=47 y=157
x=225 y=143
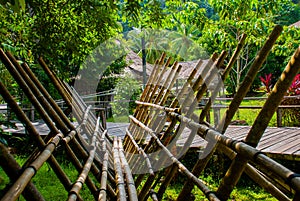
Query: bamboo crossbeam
x=140 y=151
x=119 y=174
x=209 y=194
x=260 y=124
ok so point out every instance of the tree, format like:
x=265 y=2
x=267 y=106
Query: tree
x=255 y=18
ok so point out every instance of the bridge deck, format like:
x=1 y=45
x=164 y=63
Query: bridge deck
x=277 y=142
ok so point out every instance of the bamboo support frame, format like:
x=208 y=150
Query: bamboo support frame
x=118 y=183
x=260 y=124
x=143 y=194
x=12 y=168
x=200 y=164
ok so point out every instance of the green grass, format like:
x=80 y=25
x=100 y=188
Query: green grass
x=249 y=115
x=48 y=183
x=49 y=186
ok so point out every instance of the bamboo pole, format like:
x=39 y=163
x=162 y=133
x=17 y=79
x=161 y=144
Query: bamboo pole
x=74 y=192
x=17 y=188
x=42 y=106
x=58 y=85
x=33 y=132
x=260 y=124
x=119 y=174
x=12 y=169
x=256 y=176
x=132 y=194
x=251 y=74
x=225 y=74
x=103 y=183
x=241 y=93
x=140 y=151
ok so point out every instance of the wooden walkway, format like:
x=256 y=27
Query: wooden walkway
x=277 y=142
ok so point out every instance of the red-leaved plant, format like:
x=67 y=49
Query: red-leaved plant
x=267 y=81
x=295 y=86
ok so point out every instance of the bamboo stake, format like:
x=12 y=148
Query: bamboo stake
x=12 y=169
x=260 y=124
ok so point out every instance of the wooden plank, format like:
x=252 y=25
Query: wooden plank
x=265 y=142
x=276 y=146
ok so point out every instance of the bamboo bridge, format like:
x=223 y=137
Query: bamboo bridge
x=134 y=168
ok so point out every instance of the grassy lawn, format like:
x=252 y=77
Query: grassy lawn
x=50 y=187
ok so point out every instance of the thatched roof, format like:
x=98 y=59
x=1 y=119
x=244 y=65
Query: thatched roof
x=135 y=68
x=296 y=24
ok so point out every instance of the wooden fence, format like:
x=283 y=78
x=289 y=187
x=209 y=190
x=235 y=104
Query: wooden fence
x=146 y=161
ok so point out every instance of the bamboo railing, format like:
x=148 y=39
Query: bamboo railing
x=143 y=164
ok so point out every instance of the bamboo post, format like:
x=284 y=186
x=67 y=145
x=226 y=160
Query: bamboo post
x=74 y=192
x=42 y=105
x=239 y=163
